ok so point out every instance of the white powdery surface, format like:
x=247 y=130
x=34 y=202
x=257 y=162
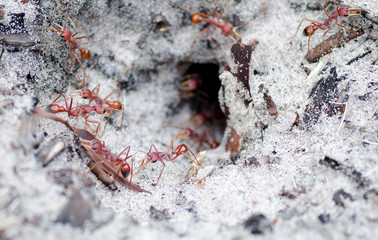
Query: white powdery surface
x=277 y=172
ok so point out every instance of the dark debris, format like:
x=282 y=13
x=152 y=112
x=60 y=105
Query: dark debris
x=159 y=215
x=339 y=197
x=258 y=224
x=76 y=212
x=350 y=172
x=324 y=92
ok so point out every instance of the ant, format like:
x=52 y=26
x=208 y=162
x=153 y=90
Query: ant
x=340 y=12
x=197 y=138
x=120 y=164
x=98 y=152
x=190 y=86
x=71 y=40
x=153 y=157
x=217 y=22
x=85 y=93
x=84 y=110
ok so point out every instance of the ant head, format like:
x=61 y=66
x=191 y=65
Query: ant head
x=343 y=12
x=85 y=53
x=194 y=83
x=86 y=93
x=227 y=30
x=96 y=145
x=184 y=133
x=65 y=34
x=196 y=18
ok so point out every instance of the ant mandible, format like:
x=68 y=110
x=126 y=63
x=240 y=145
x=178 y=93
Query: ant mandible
x=326 y=25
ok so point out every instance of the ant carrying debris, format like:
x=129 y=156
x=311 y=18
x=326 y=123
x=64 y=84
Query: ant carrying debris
x=341 y=12
x=110 y=163
x=155 y=156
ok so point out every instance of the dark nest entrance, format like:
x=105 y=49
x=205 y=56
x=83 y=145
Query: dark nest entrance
x=199 y=86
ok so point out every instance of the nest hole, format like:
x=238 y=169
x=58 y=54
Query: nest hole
x=198 y=88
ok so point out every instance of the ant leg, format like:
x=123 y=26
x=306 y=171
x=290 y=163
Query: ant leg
x=116 y=90
x=154 y=184
x=123 y=114
x=106 y=124
x=214 y=10
x=224 y=9
x=153 y=146
x=78 y=60
x=74 y=24
x=96 y=88
x=71 y=64
x=92 y=121
x=50 y=28
x=308 y=44
x=349 y=30
x=199 y=35
x=185 y=9
x=325 y=9
x=196 y=160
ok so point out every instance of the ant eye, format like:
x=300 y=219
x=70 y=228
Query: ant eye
x=85 y=96
x=94 y=148
x=346 y=15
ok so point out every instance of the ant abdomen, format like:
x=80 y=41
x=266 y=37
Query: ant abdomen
x=85 y=53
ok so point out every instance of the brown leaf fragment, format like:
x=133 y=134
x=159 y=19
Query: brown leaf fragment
x=233 y=143
x=270 y=105
x=242 y=57
x=295 y=123
x=327 y=45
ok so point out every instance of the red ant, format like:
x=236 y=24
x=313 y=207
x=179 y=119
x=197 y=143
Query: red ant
x=85 y=93
x=99 y=154
x=121 y=164
x=217 y=22
x=197 y=138
x=340 y=12
x=190 y=86
x=71 y=40
x=78 y=111
x=153 y=157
